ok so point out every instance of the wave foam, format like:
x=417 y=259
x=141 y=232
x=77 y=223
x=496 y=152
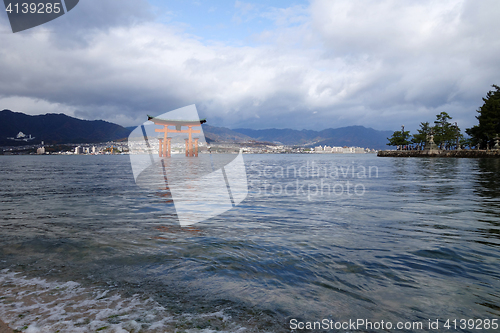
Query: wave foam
x=35 y=305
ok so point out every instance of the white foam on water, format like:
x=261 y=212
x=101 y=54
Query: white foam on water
x=35 y=305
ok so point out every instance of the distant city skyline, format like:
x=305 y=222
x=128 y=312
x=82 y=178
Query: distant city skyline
x=301 y=65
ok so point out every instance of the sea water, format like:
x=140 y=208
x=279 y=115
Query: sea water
x=320 y=238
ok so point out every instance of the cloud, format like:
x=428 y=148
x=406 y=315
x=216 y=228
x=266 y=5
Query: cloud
x=296 y=14
x=332 y=64
x=98 y=15
x=424 y=54
x=34 y=106
x=90 y=16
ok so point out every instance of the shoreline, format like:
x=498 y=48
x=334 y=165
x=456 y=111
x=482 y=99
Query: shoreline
x=465 y=153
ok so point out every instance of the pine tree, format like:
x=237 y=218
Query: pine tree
x=399 y=138
x=445 y=132
x=489 y=120
x=421 y=138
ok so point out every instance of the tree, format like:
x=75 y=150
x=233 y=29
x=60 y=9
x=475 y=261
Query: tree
x=421 y=138
x=399 y=138
x=445 y=132
x=489 y=120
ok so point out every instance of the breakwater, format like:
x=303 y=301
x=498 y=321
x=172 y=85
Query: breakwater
x=464 y=153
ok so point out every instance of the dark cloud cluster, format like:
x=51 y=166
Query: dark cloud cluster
x=372 y=63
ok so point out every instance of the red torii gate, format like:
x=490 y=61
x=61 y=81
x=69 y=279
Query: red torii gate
x=165 y=144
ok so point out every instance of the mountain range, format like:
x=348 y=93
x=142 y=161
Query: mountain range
x=60 y=128
x=56 y=128
x=358 y=136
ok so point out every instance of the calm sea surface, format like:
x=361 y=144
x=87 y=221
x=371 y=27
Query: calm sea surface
x=334 y=237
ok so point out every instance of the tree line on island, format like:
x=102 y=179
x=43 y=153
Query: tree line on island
x=447 y=135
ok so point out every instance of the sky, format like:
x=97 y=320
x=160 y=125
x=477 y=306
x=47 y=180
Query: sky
x=260 y=64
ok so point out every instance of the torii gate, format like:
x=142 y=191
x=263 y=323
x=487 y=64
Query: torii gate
x=165 y=144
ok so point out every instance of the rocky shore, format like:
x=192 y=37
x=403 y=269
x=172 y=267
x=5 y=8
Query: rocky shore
x=464 y=153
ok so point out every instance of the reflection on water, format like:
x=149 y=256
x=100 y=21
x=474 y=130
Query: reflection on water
x=197 y=190
x=420 y=243
x=488 y=179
